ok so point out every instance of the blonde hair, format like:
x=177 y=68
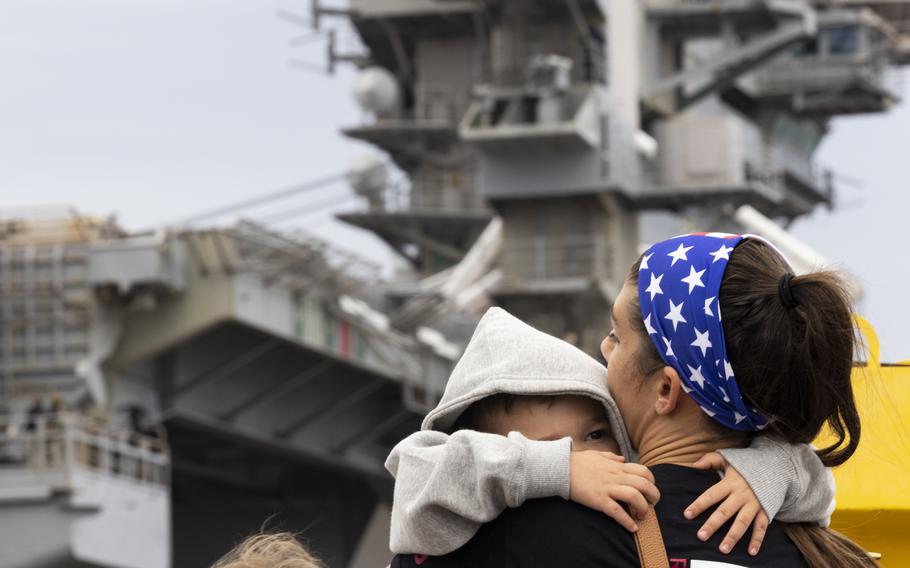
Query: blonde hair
x=278 y=550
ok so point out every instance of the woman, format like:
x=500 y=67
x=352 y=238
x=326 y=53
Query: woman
x=714 y=341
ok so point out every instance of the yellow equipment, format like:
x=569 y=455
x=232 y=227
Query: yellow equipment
x=873 y=487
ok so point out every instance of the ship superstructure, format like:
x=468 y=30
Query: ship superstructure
x=591 y=128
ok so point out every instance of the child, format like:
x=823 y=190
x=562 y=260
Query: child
x=517 y=414
x=279 y=550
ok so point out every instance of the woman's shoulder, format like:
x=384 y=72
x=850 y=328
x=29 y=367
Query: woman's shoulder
x=552 y=532
x=556 y=532
x=679 y=486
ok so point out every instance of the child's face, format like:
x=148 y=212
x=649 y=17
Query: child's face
x=581 y=418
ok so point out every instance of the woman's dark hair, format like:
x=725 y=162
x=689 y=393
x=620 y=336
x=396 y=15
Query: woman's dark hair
x=791 y=363
x=792 y=358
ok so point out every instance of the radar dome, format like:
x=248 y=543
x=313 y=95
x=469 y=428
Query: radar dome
x=368 y=174
x=376 y=90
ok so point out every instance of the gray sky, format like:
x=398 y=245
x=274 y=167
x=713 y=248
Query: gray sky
x=155 y=110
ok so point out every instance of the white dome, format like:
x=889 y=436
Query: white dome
x=368 y=174
x=376 y=90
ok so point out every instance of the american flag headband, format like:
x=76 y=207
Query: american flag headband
x=678 y=290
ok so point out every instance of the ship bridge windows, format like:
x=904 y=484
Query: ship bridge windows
x=843 y=70
x=839 y=40
x=842 y=40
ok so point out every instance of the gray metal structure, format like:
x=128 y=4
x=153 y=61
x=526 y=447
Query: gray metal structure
x=592 y=127
x=280 y=389
x=542 y=144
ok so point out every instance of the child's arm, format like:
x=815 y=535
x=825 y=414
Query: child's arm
x=766 y=480
x=447 y=486
x=781 y=475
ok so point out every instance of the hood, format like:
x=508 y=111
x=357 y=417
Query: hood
x=506 y=355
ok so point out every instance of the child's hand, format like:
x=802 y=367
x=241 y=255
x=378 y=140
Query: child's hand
x=738 y=499
x=599 y=480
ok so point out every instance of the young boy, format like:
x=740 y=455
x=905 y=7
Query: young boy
x=515 y=422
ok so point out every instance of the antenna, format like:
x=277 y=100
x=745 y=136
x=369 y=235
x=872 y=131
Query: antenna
x=296 y=19
x=317 y=11
x=266 y=198
x=304 y=39
x=334 y=57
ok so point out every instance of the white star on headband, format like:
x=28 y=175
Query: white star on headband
x=708 y=301
x=654 y=287
x=669 y=349
x=702 y=341
x=680 y=253
x=644 y=261
x=694 y=278
x=723 y=252
x=648 y=326
x=728 y=369
x=675 y=314
x=697 y=377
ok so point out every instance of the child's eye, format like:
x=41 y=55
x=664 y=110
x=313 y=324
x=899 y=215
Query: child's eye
x=612 y=336
x=596 y=435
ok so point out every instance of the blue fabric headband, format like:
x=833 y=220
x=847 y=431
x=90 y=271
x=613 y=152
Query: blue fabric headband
x=678 y=290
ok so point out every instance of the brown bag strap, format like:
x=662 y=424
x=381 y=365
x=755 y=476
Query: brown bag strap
x=650 y=543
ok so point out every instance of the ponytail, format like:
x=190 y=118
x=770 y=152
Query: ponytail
x=792 y=355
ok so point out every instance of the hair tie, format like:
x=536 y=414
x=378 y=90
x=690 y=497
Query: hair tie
x=783 y=290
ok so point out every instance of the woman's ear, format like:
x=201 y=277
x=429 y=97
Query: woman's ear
x=669 y=389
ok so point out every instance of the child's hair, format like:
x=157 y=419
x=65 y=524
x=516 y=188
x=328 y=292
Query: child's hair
x=481 y=415
x=278 y=550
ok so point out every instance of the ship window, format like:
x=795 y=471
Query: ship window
x=499 y=110
x=842 y=40
x=529 y=110
x=807 y=49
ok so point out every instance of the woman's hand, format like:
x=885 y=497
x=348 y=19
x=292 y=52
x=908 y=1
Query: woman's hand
x=601 y=480
x=735 y=498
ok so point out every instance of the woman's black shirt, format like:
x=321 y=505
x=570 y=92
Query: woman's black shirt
x=555 y=532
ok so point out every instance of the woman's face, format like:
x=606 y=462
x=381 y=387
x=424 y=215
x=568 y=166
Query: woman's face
x=621 y=350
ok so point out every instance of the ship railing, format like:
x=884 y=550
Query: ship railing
x=814 y=177
x=300 y=259
x=817 y=179
x=452 y=193
x=440 y=103
x=546 y=257
x=788 y=75
x=64 y=442
x=436 y=105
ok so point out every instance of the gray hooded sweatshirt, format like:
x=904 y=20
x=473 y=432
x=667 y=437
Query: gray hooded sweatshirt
x=448 y=485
